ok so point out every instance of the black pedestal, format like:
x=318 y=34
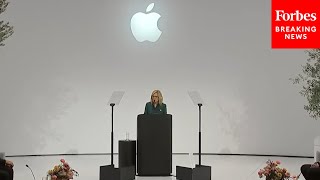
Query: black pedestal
x=109 y=172
x=200 y=172
x=127 y=154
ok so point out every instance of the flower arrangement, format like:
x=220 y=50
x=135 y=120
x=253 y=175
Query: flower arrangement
x=62 y=171
x=272 y=171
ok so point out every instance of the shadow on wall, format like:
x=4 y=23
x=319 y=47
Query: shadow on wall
x=232 y=116
x=29 y=116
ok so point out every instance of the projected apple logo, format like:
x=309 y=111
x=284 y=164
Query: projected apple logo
x=144 y=26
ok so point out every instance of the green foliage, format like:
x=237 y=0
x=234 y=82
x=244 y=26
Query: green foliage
x=310 y=79
x=5 y=29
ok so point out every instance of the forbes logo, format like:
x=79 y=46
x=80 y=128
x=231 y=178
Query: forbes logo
x=281 y=15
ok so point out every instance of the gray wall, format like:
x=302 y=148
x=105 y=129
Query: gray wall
x=66 y=58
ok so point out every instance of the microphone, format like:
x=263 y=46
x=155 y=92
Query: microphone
x=77 y=174
x=31 y=171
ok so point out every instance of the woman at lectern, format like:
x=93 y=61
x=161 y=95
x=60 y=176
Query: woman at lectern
x=156 y=105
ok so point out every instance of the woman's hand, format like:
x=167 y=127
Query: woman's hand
x=315 y=165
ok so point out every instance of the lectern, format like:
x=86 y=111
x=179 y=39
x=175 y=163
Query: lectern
x=154 y=145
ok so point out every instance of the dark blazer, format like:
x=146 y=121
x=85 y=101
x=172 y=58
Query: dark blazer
x=159 y=109
x=2 y=162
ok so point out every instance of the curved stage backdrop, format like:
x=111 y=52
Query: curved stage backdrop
x=65 y=59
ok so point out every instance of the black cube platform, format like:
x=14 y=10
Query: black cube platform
x=109 y=172
x=200 y=172
x=127 y=153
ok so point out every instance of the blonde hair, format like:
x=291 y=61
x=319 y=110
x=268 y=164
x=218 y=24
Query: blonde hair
x=159 y=95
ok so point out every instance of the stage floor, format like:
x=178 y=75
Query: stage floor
x=224 y=167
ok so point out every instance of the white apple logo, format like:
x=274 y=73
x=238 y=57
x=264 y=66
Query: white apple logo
x=144 y=26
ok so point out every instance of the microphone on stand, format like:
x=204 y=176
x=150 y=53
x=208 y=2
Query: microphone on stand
x=77 y=174
x=31 y=171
